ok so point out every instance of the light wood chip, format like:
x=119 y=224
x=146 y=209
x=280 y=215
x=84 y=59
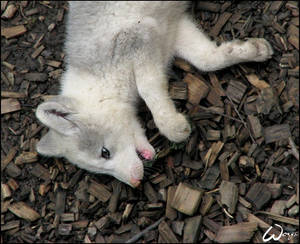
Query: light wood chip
x=22 y=210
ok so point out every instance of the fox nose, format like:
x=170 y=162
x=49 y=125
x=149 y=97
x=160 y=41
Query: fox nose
x=135 y=182
x=136 y=174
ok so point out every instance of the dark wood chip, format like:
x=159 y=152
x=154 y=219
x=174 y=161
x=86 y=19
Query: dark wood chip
x=99 y=191
x=229 y=195
x=223 y=18
x=197 y=89
x=166 y=234
x=187 y=199
x=236 y=90
x=241 y=232
x=192 y=229
x=276 y=133
x=258 y=195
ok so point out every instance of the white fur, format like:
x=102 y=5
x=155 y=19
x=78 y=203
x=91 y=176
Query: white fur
x=117 y=52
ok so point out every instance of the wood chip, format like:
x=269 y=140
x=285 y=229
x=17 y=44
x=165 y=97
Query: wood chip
x=255 y=126
x=241 y=232
x=22 y=210
x=9 y=32
x=197 y=89
x=293 y=30
x=81 y=224
x=192 y=229
x=3 y=5
x=37 y=51
x=13 y=170
x=64 y=229
x=214 y=98
x=229 y=195
x=209 y=180
x=26 y=157
x=216 y=84
x=246 y=162
x=255 y=81
x=293 y=91
x=206 y=204
x=75 y=178
x=44 y=188
x=278 y=207
x=51 y=27
x=158 y=178
x=293 y=211
x=9 y=157
x=236 y=90
x=244 y=202
x=12 y=94
x=291 y=201
x=182 y=64
x=170 y=212
x=294 y=40
x=8 y=65
x=40 y=77
x=276 y=133
x=178 y=90
x=9 y=105
x=127 y=211
x=5 y=191
x=210 y=224
x=41 y=172
x=150 y=193
x=166 y=233
x=280 y=218
x=99 y=191
x=213 y=153
x=275 y=6
x=213 y=135
x=196 y=165
x=258 y=195
x=13 y=184
x=266 y=100
x=224 y=170
x=113 y=201
x=223 y=18
x=67 y=217
x=103 y=223
x=32 y=11
x=177 y=227
x=60 y=201
x=10 y=225
x=187 y=198
x=9 y=11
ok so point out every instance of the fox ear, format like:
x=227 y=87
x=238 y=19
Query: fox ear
x=57 y=114
x=49 y=145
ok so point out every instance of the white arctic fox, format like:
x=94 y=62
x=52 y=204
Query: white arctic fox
x=117 y=52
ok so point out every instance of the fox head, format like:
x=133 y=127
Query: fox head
x=108 y=142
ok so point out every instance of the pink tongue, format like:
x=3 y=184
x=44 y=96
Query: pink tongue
x=147 y=154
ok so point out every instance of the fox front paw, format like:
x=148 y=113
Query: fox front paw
x=263 y=49
x=254 y=49
x=175 y=128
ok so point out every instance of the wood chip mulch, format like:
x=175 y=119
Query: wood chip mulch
x=234 y=178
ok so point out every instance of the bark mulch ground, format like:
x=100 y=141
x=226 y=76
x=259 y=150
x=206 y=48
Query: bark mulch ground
x=234 y=179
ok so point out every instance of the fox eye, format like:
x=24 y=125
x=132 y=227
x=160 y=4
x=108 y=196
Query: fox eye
x=105 y=153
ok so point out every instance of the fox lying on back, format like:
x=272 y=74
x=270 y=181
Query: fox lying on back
x=116 y=53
